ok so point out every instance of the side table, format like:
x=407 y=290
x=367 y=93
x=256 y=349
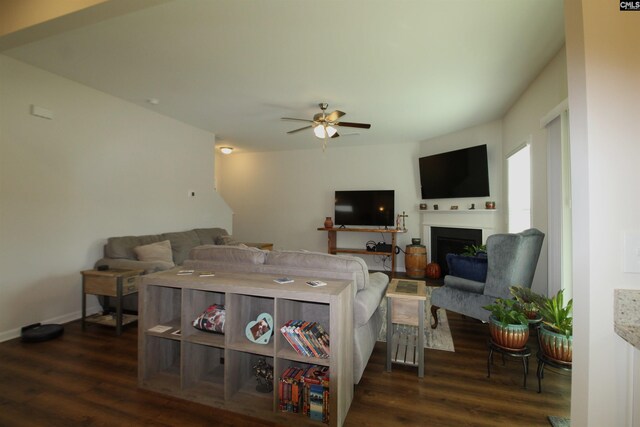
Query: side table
x=405 y=306
x=523 y=354
x=116 y=283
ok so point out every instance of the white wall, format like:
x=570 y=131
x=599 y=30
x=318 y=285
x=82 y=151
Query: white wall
x=522 y=124
x=102 y=167
x=284 y=196
x=603 y=62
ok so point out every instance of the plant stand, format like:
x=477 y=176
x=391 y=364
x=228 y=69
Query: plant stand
x=523 y=354
x=544 y=360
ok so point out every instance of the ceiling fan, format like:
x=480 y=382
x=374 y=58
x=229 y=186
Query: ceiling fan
x=324 y=125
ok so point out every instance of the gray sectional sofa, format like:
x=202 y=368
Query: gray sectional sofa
x=369 y=288
x=200 y=249
x=120 y=252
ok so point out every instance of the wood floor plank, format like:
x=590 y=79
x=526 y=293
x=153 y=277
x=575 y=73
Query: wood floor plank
x=90 y=379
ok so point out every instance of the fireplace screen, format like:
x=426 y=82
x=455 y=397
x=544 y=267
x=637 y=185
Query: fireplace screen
x=446 y=240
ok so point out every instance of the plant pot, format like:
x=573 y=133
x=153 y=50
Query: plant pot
x=557 y=347
x=510 y=337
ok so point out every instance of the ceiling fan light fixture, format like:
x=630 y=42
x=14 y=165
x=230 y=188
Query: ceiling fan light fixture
x=320 y=131
x=323 y=131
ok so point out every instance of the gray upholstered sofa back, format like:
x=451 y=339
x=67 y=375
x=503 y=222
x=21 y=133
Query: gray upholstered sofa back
x=181 y=243
x=245 y=259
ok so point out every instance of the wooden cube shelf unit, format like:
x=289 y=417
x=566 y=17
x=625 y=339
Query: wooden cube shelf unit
x=217 y=370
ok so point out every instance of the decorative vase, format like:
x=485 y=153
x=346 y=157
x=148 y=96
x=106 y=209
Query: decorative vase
x=328 y=222
x=557 y=347
x=510 y=337
x=433 y=270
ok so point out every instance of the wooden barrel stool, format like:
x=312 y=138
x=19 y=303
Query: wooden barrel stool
x=415 y=261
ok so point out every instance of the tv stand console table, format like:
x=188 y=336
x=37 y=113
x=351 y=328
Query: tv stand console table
x=333 y=249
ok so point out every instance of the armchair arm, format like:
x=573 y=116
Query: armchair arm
x=463 y=284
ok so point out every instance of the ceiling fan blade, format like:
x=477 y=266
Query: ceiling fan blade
x=298 y=130
x=332 y=117
x=335 y=135
x=300 y=120
x=354 y=125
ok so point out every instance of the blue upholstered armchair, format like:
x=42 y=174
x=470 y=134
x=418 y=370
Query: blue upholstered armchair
x=511 y=260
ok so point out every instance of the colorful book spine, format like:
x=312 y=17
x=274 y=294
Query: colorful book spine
x=315 y=395
x=307 y=338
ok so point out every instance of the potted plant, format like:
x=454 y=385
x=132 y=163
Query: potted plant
x=528 y=301
x=508 y=326
x=475 y=250
x=556 y=332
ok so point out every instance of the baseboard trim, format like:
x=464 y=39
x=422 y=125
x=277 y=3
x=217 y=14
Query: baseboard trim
x=65 y=318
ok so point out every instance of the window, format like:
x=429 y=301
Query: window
x=519 y=185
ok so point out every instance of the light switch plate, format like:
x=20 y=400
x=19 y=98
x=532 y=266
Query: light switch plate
x=631 y=255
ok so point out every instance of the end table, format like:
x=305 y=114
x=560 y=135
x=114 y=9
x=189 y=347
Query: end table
x=116 y=283
x=405 y=305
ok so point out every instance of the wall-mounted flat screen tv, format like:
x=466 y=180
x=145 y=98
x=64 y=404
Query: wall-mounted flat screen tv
x=369 y=207
x=459 y=173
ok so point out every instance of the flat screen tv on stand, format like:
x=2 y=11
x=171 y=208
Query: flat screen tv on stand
x=372 y=208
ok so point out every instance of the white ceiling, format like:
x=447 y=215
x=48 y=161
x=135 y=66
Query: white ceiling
x=414 y=69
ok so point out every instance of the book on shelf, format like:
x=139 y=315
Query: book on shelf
x=305 y=390
x=307 y=338
x=315 y=396
x=290 y=389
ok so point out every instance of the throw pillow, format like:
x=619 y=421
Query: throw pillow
x=160 y=251
x=212 y=319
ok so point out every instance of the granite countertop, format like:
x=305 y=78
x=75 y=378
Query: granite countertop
x=626 y=321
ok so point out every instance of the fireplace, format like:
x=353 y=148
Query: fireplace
x=446 y=240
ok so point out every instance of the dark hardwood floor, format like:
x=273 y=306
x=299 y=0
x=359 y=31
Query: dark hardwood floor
x=89 y=379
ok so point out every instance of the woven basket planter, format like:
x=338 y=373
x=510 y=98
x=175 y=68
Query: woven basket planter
x=510 y=337
x=557 y=347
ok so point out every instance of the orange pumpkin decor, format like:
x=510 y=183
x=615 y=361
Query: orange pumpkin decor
x=433 y=270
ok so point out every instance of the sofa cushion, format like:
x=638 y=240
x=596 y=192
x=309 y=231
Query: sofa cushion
x=240 y=254
x=160 y=251
x=208 y=236
x=226 y=240
x=122 y=247
x=181 y=243
x=324 y=261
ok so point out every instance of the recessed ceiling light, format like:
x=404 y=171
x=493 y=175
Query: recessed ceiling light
x=226 y=150
x=153 y=101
